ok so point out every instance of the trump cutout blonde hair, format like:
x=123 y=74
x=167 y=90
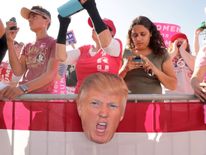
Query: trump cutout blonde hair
x=105 y=83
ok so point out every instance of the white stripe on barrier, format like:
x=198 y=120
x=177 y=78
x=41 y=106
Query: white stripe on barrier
x=75 y=143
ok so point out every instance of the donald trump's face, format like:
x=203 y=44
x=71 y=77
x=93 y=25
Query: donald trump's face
x=100 y=114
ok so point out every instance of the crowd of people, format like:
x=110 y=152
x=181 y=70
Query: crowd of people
x=149 y=67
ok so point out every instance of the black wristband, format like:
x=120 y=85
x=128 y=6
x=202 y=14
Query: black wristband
x=64 y=23
x=91 y=8
x=61 y=38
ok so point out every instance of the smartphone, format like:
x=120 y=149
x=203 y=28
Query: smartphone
x=137 y=59
x=13 y=27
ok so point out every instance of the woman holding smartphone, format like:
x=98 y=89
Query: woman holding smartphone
x=156 y=68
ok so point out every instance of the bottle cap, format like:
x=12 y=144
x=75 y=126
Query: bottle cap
x=70 y=8
x=202 y=25
x=13 y=19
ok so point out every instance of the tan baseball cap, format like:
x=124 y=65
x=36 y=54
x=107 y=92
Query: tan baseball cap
x=35 y=9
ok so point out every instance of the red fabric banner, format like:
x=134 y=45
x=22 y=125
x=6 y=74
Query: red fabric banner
x=139 y=117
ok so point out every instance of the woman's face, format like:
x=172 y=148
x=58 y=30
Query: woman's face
x=140 y=36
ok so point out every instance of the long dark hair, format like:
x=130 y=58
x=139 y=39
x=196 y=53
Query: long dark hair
x=156 y=41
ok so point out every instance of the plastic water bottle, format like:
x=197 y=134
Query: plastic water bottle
x=69 y=8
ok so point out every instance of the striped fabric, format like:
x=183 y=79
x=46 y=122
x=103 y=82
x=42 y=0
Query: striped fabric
x=54 y=128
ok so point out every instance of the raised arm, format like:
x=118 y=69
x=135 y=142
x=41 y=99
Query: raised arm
x=196 y=40
x=17 y=65
x=102 y=30
x=61 y=54
x=173 y=50
x=188 y=57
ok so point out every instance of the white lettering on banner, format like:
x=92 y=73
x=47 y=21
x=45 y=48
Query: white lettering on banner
x=60 y=86
x=167 y=42
x=170 y=28
x=55 y=86
x=167 y=30
x=166 y=35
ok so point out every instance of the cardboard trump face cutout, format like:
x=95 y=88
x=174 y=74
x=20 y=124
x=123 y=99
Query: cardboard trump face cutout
x=101 y=104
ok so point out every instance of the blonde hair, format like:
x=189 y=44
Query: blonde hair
x=104 y=82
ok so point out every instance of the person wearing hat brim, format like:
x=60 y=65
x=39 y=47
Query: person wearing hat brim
x=37 y=64
x=183 y=63
x=104 y=56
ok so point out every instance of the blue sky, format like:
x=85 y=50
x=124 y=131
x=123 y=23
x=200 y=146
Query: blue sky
x=188 y=14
